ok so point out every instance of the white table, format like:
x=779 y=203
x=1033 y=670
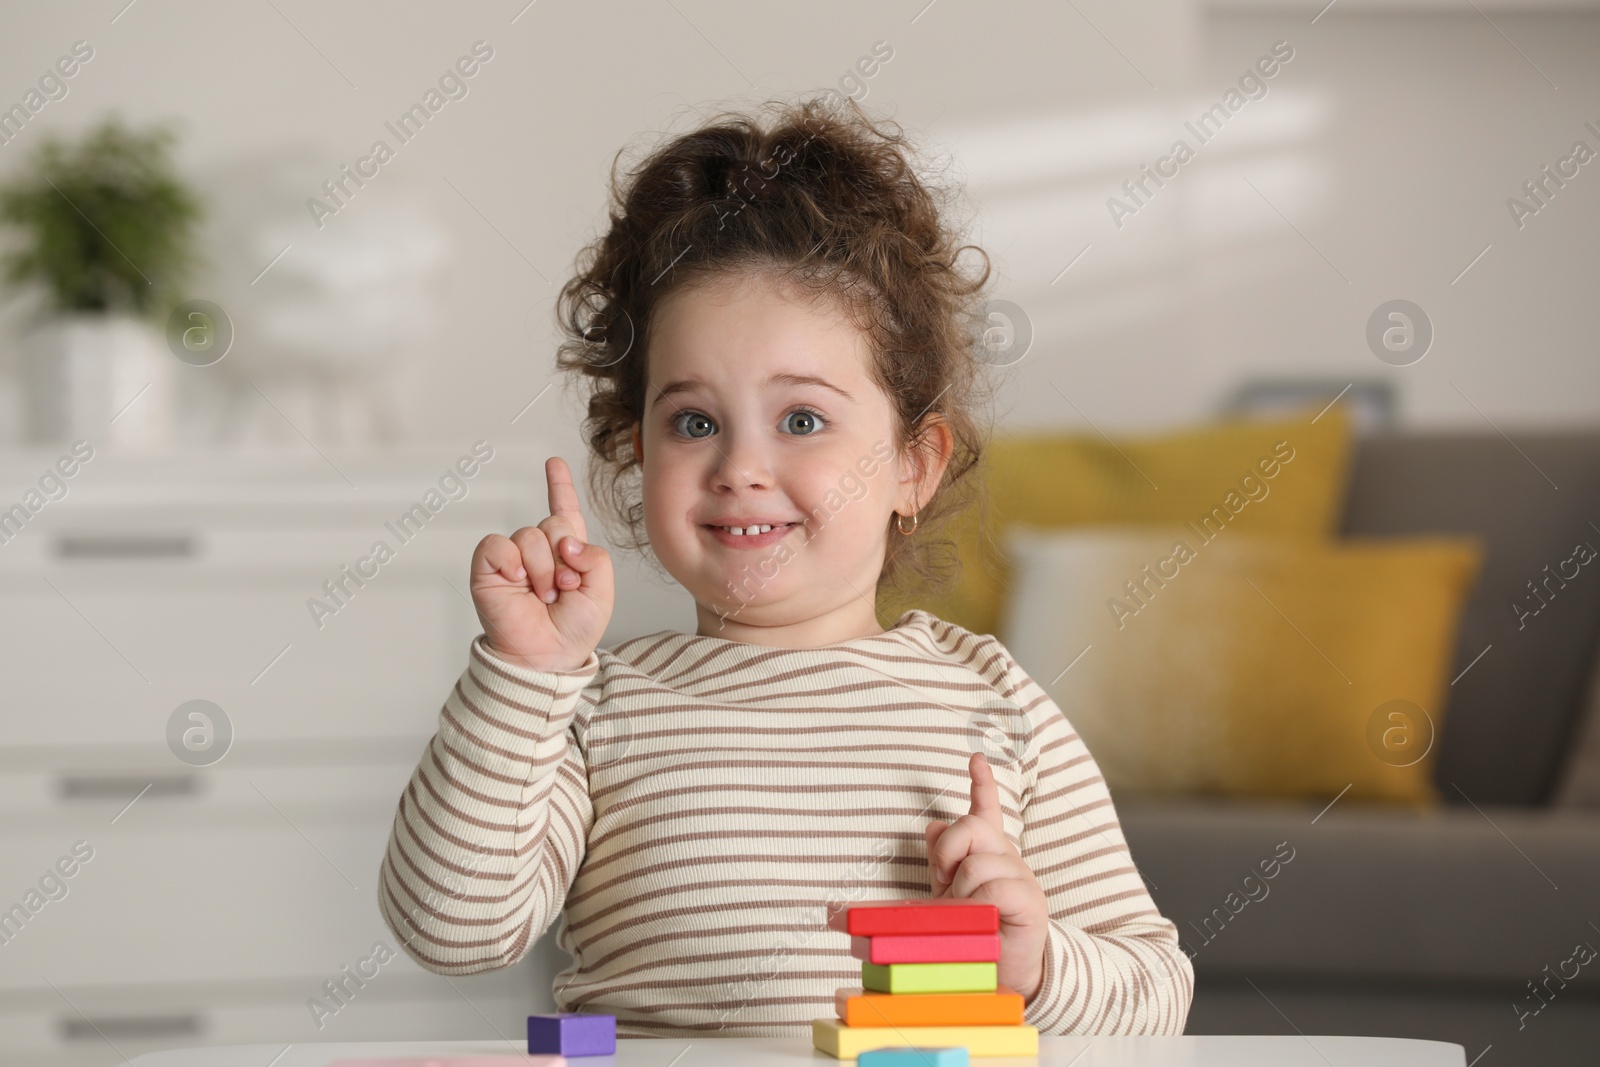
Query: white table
x=1200 y=1051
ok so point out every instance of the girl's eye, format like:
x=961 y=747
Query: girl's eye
x=697 y=419
x=807 y=417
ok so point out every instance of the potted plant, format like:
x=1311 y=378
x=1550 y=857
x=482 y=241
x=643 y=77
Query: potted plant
x=106 y=232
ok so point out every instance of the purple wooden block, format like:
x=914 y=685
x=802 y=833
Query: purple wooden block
x=572 y=1034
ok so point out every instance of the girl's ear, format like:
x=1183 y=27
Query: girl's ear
x=929 y=455
x=638 y=444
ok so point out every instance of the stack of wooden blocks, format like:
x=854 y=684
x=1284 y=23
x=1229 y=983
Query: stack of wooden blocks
x=929 y=991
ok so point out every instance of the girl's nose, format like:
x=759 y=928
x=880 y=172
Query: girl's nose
x=742 y=463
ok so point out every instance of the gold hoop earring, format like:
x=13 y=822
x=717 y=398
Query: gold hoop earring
x=899 y=526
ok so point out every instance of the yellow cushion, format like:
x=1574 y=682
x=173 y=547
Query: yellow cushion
x=1064 y=480
x=1255 y=666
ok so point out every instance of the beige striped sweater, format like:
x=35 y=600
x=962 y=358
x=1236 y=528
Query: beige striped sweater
x=695 y=806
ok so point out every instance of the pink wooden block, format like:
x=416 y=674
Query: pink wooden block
x=456 y=1061
x=927 y=948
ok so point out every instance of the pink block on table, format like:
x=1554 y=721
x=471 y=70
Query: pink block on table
x=927 y=948
x=456 y=1061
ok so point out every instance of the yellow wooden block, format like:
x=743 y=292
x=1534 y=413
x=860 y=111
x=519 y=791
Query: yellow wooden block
x=848 y=1042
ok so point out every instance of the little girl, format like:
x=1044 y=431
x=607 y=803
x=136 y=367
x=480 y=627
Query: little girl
x=777 y=342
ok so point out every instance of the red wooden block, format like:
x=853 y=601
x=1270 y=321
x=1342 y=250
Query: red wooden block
x=927 y=948
x=929 y=915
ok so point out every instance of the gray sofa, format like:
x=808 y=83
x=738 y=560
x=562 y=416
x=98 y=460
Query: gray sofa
x=1468 y=924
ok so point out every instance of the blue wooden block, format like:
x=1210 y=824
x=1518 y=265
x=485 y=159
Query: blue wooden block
x=572 y=1034
x=913 y=1057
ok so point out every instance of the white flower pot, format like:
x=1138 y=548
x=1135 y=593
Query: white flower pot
x=101 y=378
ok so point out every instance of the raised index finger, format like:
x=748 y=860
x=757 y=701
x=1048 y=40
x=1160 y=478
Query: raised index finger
x=985 y=792
x=563 y=497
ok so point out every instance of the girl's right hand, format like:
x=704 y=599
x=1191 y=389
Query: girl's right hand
x=539 y=610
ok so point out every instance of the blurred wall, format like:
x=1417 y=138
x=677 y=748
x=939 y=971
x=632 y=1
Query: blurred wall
x=1377 y=165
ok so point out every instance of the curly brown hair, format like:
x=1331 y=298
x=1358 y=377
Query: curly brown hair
x=819 y=196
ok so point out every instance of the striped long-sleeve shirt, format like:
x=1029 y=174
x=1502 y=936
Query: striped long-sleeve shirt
x=694 y=807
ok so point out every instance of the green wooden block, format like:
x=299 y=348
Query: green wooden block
x=930 y=977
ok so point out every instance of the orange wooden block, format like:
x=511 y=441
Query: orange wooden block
x=857 y=1007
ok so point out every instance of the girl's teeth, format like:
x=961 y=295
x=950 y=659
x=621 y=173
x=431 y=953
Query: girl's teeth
x=739 y=531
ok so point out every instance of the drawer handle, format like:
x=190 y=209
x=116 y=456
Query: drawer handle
x=132 y=1027
x=125 y=546
x=124 y=786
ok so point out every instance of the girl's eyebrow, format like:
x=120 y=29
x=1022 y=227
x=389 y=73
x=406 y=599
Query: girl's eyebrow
x=683 y=385
x=807 y=379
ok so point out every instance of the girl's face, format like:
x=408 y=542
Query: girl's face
x=760 y=408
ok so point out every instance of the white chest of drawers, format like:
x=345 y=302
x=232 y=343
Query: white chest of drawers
x=220 y=899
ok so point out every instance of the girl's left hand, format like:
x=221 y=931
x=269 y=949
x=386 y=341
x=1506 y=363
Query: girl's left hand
x=974 y=858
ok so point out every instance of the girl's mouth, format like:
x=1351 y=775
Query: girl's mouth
x=749 y=539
